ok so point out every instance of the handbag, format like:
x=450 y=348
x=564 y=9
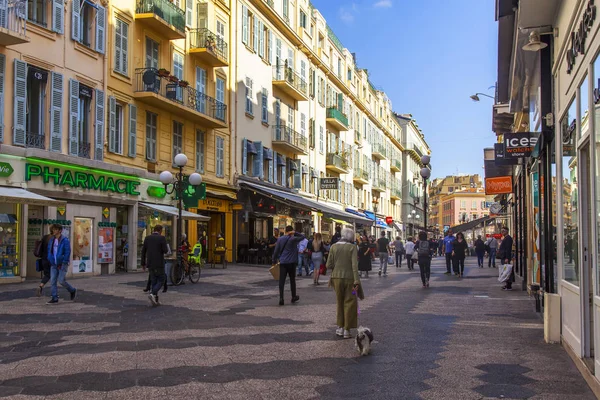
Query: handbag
x=391 y=260
x=415 y=256
x=274 y=270
x=323 y=269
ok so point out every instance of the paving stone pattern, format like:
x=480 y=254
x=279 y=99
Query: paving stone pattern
x=226 y=338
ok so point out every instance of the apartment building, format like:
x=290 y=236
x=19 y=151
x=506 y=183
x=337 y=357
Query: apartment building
x=464 y=206
x=441 y=187
x=317 y=144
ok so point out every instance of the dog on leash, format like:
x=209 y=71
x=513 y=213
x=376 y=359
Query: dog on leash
x=364 y=337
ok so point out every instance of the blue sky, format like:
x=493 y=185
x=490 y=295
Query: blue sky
x=429 y=56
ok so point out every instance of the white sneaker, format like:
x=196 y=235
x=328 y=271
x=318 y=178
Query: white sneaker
x=347 y=334
x=339 y=331
x=153 y=299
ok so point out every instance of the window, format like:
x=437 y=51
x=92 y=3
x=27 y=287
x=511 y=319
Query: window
x=245 y=25
x=249 y=104
x=83 y=120
x=117 y=145
x=303 y=125
x=339 y=67
x=264 y=108
x=474 y=204
x=220 y=157
x=286 y=10
x=178 y=73
x=303 y=20
x=303 y=70
x=37 y=12
x=463 y=204
x=152 y=52
x=121 y=46
x=151 y=135
x=255 y=29
x=35 y=112
x=177 y=139
x=321 y=139
x=220 y=95
x=88 y=24
x=261 y=39
x=290 y=121
x=311 y=82
x=349 y=74
x=220 y=31
x=311 y=133
x=200 y=150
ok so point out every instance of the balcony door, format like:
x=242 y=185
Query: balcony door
x=201 y=89
x=152 y=52
x=278 y=119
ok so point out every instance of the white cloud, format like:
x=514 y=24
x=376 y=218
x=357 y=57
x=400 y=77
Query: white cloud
x=347 y=13
x=383 y=4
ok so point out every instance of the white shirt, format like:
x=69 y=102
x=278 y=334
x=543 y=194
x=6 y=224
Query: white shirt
x=409 y=247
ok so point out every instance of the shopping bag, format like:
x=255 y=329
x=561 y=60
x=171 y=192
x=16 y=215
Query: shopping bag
x=323 y=269
x=391 y=260
x=504 y=272
x=415 y=256
x=274 y=270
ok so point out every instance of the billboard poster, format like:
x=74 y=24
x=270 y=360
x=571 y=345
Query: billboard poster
x=82 y=245
x=535 y=185
x=105 y=245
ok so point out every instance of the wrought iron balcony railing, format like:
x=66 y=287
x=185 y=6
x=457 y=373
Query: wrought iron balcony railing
x=337 y=161
x=285 y=134
x=35 y=141
x=202 y=38
x=333 y=112
x=361 y=174
x=15 y=16
x=148 y=80
x=287 y=74
x=165 y=10
x=356 y=137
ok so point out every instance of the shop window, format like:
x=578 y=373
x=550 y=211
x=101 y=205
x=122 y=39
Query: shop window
x=147 y=220
x=37 y=80
x=9 y=238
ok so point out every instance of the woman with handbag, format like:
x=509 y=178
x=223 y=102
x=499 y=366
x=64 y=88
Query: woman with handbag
x=343 y=264
x=459 y=252
x=364 y=256
x=316 y=247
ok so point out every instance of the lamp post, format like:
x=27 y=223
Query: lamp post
x=178 y=186
x=425 y=174
x=375 y=204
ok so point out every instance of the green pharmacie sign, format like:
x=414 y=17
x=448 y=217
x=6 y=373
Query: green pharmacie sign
x=81 y=179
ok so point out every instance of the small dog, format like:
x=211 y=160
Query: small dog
x=364 y=337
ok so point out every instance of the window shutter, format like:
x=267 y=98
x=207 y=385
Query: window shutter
x=112 y=124
x=20 y=102
x=261 y=39
x=2 y=69
x=200 y=150
x=271 y=162
x=132 y=145
x=275 y=167
x=58 y=7
x=270 y=47
x=244 y=156
x=255 y=34
x=101 y=29
x=220 y=157
x=3 y=10
x=189 y=10
x=75 y=20
x=99 y=149
x=284 y=172
x=257 y=168
x=297 y=174
x=56 y=100
x=245 y=25
x=73 y=114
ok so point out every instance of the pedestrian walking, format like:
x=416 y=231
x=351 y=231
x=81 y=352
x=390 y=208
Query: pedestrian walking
x=364 y=256
x=505 y=255
x=59 y=255
x=441 y=246
x=153 y=257
x=459 y=252
x=424 y=250
x=302 y=259
x=433 y=244
x=448 y=240
x=343 y=264
x=317 y=247
x=409 y=248
x=399 y=251
x=44 y=263
x=479 y=251
x=492 y=244
x=337 y=235
x=383 y=247
x=286 y=252
x=273 y=242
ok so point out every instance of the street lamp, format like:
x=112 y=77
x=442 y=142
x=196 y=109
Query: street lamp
x=475 y=97
x=375 y=204
x=178 y=186
x=425 y=174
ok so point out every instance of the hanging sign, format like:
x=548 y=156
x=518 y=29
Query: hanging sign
x=519 y=144
x=328 y=183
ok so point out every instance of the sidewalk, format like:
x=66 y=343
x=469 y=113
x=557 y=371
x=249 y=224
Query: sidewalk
x=226 y=338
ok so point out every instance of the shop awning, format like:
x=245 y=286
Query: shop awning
x=355 y=212
x=221 y=194
x=381 y=224
x=22 y=196
x=397 y=226
x=480 y=222
x=175 y=212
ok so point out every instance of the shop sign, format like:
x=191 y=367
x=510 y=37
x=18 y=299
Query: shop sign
x=579 y=35
x=329 y=183
x=389 y=220
x=81 y=179
x=106 y=212
x=500 y=158
x=214 y=205
x=61 y=210
x=519 y=144
x=498 y=185
x=6 y=169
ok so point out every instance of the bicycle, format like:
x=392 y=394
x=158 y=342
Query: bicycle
x=190 y=268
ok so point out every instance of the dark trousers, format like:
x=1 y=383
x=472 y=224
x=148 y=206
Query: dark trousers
x=480 y=258
x=284 y=271
x=448 y=262
x=409 y=261
x=458 y=264
x=510 y=279
x=425 y=267
x=492 y=259
x=398 y=259
x=149 y=283
x=45 y=271
x=157 y=280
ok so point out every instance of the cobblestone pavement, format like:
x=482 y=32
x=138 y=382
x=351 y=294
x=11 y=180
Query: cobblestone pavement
x=226 y=338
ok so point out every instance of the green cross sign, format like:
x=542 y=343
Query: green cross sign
x=6 y=169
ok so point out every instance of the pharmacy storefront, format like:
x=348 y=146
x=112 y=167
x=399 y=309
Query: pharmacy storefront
x=104 y=213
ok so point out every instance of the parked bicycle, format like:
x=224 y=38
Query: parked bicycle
x=191 y=268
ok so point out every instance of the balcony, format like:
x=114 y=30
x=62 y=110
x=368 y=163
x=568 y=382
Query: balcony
x=395 y=193
x=163 y=17
x=379 y=151
x=288 y=140
x=35 y=141
x=290 y=83
x=208 y=47
x=13 y=27
x=337 y=119
x=357 y=137
x=378 y=185
x=396 y=165
x=360 y=176
x=336 y=163
x=173 y=96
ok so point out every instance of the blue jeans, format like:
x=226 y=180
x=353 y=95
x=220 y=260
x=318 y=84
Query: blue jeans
x=480 y=258
x=302 y=261
x=59 y=275
x=157 y=280
x=492 y=260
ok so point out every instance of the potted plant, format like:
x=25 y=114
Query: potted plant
x=164 y=72
x=183 y=83
x=173 y=78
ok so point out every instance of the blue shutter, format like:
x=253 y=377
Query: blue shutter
x=73 y=115
x=257 y=168
x=112 y=124
x=275 y=167
x=271 y=162
x=3 y=10
x=2 y=70
x=56 y=101
x=20 y=103
x=132 y=144
x=245 y=25
x=284 y=172
x=100 y=29
x=297 y=174
x=76 y=20
x=58 y=12
x=99 y=140
x=244 y=156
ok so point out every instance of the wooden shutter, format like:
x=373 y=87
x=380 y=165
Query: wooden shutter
x=271 y=162
x=275 y=167
x=73 y=115
x=56 y=101
x=3 y=11
x=200 y=150
x=261 y=39
x=245 y=25
x=255 y=34
x=101 y=29
x=76 y=20
x=112 y=124
x=244 y=156
x=297 y=174
x=257 y=168
x=270 y=47
x=2 y=74
x=20 y=103
x=58 y=12
x=132 y=144
x=284 y=172
x=99 y=139
x=189 y=10
x=220 y=157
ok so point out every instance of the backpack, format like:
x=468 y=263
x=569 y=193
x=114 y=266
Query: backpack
x=423 y=249
x=37 y=249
